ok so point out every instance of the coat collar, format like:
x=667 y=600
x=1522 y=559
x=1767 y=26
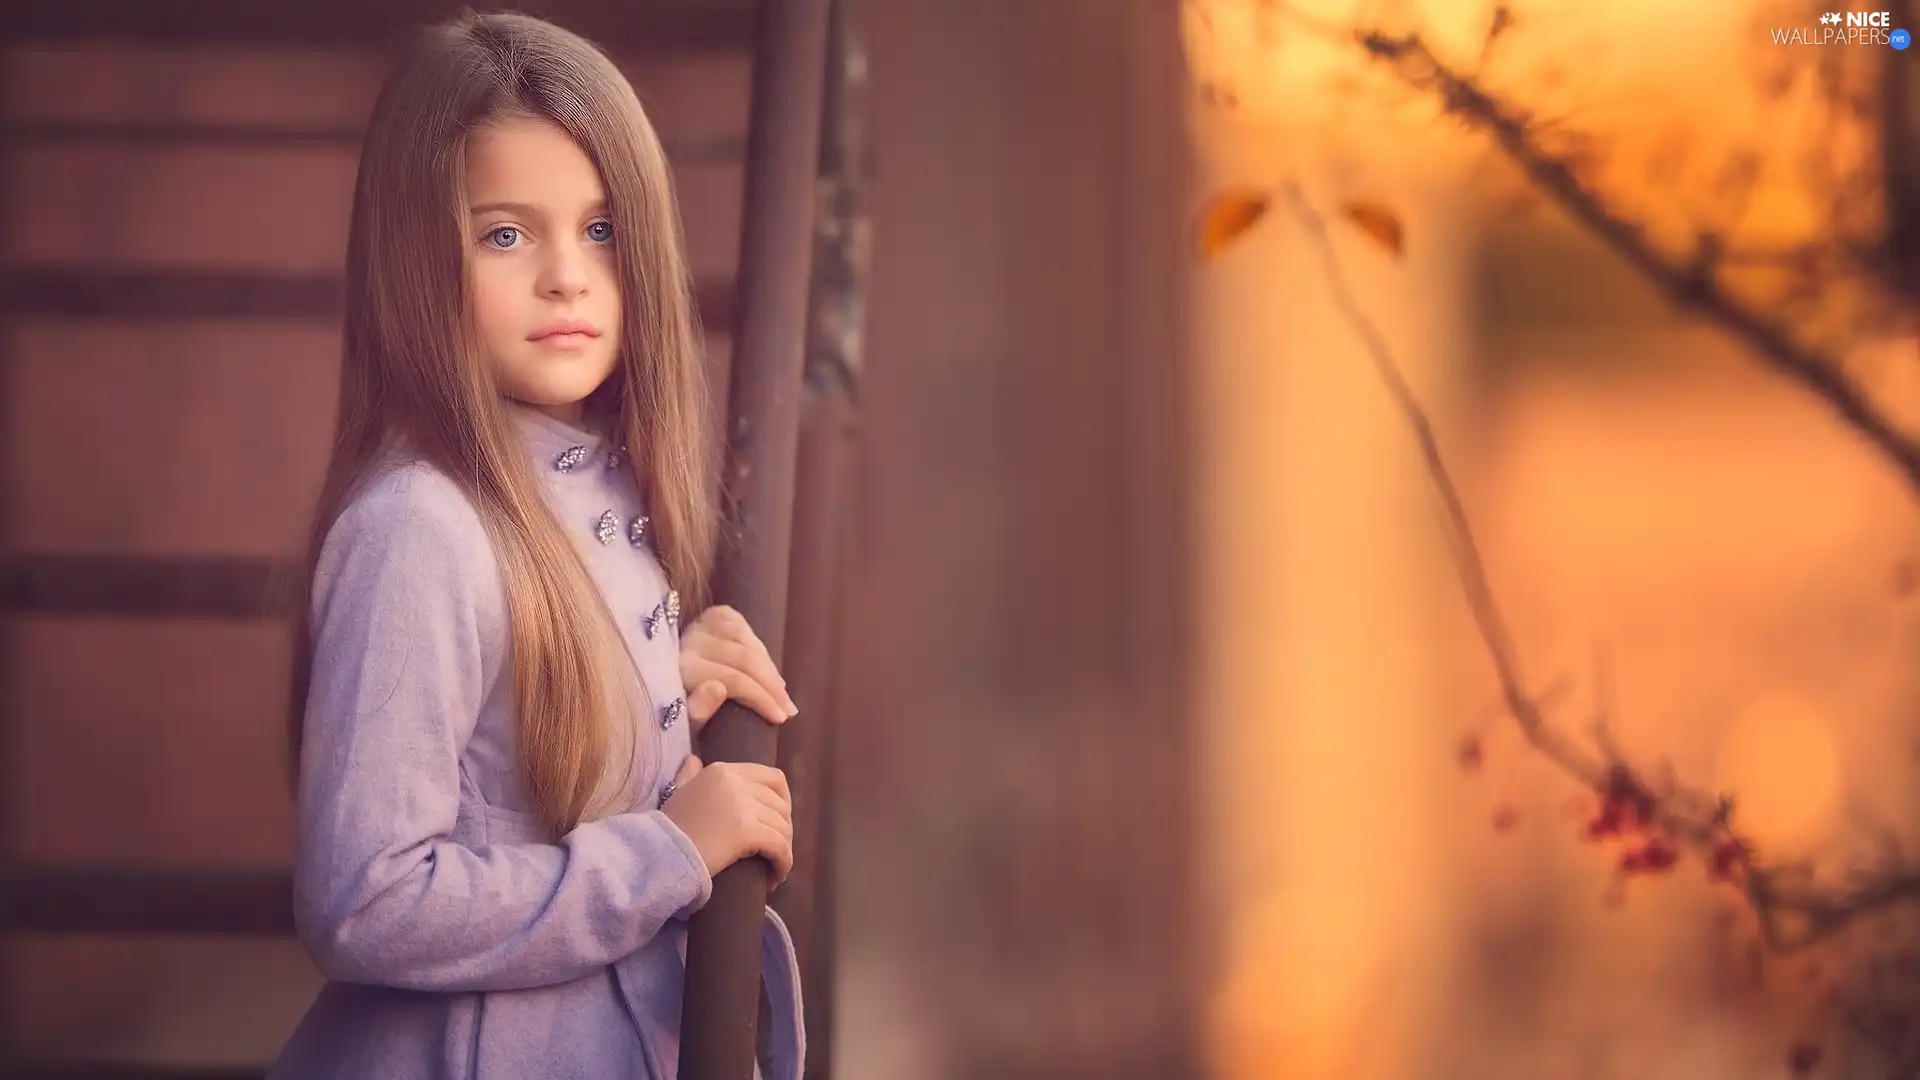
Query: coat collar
x=559 y=448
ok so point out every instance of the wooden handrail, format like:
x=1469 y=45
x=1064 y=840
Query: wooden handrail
x=822 y=513
x=720 y=1012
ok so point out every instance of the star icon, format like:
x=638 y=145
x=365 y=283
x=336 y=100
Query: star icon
x=1831 y=18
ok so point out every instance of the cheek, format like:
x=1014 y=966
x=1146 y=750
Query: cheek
x=496 y=300
x=606 y=286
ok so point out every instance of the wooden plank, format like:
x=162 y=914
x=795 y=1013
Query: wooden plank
x=184 y=1002
x=307 y=85
x=93 y=292
x=246 y=208
x=120 y=901
x=687 y=150
x=165 y=133
x=179 y=701
x=168 y=436
x=146 y=586
x=89 y=292
x=698 y=103
x=661 y=26
x=78 y=1070
x=204 y=207
x=172 y=436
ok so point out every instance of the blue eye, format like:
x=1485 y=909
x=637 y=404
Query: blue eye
x=600 y=232
x=503 y=237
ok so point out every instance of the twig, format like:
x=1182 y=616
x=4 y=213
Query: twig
x=1521 y=704
x=1691 y=284
x=1793 y=912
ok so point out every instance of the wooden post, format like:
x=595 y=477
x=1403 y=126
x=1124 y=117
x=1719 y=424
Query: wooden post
x=828 y=425
x=9 y=950
x=1900 y=154
x=719 y=1018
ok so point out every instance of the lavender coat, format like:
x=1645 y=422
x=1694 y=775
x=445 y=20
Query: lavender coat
x=456 y=941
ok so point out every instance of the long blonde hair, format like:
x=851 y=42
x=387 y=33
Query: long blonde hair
x=412 y=374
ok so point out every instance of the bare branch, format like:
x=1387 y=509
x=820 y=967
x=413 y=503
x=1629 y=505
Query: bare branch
x=1690 y=283
x=1716 y=274
x=1794 y=911
x=1522 y=705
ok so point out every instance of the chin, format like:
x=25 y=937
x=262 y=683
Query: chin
x=547 y=402
x=562 y=384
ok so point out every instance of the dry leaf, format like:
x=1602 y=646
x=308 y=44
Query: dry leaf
x=1227 y=216
x=1378 y=222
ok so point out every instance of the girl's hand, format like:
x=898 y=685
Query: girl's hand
x=731 y=811
x=721 y=658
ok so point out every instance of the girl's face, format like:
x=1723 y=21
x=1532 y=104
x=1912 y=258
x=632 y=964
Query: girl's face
x=546 y=298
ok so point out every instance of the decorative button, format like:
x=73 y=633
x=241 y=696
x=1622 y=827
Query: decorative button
x=609 y=527
x=673 y=610
x=637 y=530
x=666 y=792
x=672 y=712
x=570 y=458
x=651 y=624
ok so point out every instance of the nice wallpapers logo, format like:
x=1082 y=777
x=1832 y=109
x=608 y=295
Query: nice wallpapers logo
x=1850 y=28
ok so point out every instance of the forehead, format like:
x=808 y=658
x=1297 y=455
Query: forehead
x=529 y=161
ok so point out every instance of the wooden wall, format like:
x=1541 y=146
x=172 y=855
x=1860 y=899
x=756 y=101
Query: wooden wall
x=1014 y=813
x=193 y=425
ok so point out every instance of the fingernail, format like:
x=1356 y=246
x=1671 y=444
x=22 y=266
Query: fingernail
x=792 y=709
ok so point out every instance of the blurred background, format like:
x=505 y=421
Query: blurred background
x=1161 y=742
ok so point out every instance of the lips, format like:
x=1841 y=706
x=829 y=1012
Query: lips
x=568 y=330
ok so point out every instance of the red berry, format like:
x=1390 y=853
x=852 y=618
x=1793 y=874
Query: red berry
x=1729 y=859
x=1905 y=579
x=1651 y=857
x=1606 y=823
x=1505 y=818
x=1624 y=805
x=1471 y=756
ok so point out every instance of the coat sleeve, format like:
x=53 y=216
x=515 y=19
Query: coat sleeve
x=407 y=615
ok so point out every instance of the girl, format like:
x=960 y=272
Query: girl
x=502 y=830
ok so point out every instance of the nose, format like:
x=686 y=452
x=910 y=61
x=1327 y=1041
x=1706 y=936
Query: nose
x=563 y=276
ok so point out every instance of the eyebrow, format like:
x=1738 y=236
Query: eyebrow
x=525 y=210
